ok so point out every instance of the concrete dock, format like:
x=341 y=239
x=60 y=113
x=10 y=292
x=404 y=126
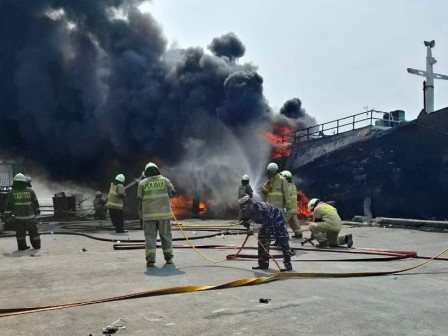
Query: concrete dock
x=75 y=268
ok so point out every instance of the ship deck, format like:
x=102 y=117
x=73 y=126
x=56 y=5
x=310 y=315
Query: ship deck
x=75 y=268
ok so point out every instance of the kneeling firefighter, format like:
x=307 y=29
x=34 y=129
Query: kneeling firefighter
x=327 y=225
x=273 y=226
x=24 y=206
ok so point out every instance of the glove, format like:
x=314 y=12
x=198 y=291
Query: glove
x=284 y=210
x=246 y=224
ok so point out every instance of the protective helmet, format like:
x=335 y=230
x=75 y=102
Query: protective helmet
x=286 y=174
x=272 y=166
x=99 y=193
x=150 y=164
x=120 y=177
x=20 y=178
x=312 y=204
x=245 y=177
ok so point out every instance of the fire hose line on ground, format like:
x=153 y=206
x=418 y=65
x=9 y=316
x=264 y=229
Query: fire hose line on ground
x=232 y=284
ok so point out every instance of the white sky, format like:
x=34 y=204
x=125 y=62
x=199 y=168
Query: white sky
x=337 y=56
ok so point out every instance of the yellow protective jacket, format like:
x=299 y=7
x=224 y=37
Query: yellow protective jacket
x=116 y=196
x=326 y=213
x=276 y=192
x=292 y=199
x=154 y=192
x=23 y=204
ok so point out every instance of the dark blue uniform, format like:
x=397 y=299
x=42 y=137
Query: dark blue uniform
x=273 y=227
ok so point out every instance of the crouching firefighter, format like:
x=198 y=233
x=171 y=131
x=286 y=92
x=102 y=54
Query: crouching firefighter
x=24 y=206
x=273 y=226
x=327 y=225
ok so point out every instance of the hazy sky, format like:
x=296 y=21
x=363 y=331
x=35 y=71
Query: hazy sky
x=337 y=56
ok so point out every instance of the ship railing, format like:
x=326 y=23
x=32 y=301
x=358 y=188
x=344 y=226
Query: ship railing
x=350 y=123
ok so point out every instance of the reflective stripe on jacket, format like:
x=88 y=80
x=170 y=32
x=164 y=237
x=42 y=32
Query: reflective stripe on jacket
x=276 y=192
x=154 y=193
x=293 y=198
x=326 y=213
x=22 y=203
x=114 y=201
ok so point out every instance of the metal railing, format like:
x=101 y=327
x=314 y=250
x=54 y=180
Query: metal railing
x=342 y=125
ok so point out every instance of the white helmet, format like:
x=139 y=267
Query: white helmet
x=120 y=177
x=150 y=164
x=99 y=193
x=312 y=204
x=245 y=177
x=286 y=174
x=20 y=178
x=272 y=166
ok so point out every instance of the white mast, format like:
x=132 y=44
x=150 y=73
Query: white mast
x=430 y=75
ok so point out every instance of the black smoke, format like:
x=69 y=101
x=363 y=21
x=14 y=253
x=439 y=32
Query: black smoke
x=296 y=115
x=89 y=88
x=228 y=45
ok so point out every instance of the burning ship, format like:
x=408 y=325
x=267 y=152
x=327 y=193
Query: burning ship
x=377 y=164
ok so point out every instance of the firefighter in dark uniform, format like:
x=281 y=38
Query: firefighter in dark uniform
x=273 y=227
x=245 y=188
x=24 y=206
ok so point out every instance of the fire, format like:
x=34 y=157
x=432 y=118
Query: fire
x=182 y=204
x=279 y=141
x=302 y=208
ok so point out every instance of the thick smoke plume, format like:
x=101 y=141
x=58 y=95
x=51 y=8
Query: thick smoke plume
x=227 y=45
x=89 y=89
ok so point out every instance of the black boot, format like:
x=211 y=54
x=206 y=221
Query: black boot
x=286 y=268
x=349 y=240
x=260 y=267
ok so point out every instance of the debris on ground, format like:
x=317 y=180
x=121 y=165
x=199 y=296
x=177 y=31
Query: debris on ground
x=264 y=300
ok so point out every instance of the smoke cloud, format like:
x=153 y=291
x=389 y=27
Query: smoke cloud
x=89 y=89
x=227 y=45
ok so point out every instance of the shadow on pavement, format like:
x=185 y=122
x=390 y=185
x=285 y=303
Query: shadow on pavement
x=166 y=270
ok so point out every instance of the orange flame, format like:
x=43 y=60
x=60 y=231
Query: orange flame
x=302 y=208
x=183 y=205
x=279 y=141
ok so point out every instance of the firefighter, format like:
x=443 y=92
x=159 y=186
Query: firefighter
x=273 y=225
x=24 y=206
x=245 y=188
x=115 y=203
x=276 y=189
x=99 y=205
x=291 y=215
x=327 y=225
x=154 y=193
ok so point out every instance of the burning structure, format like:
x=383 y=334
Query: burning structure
x=89 y=89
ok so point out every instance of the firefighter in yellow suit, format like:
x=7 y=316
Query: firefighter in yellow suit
x=291 y=214
x=276 y=189
x=154 y=193
x=327 y=225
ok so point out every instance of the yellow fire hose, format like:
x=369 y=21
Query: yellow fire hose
x=232 y=284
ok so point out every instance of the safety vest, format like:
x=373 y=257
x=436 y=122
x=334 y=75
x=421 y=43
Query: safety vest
x=113 y=200
x=156 y=202
x=276 y=195
x=22 y=204
x=293 y=199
